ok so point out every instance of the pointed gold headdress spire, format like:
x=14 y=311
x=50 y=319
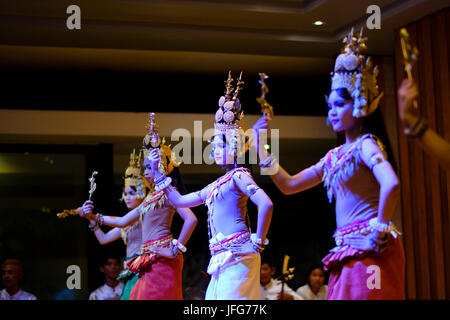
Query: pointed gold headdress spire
x=133 y=175
x=266 y=108
x=152 y=141
x=229 y=114
x=229 y=119
x=356 y=73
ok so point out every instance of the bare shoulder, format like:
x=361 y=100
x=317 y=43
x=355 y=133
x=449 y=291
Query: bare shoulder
x=243 y=177
x=371 y=144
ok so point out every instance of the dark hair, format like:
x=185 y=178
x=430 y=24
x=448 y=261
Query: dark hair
x=373 y=124
x=132 y=187
x=177 y=182
x=268 y=260
x=343 y=93
x=105 y=257
x=14 y=262
x=311 y=269
x=245 y=163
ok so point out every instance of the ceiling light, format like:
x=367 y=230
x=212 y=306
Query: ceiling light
x=318 y=23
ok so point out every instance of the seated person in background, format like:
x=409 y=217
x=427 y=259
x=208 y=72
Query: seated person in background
x=112 y=289
x=12 y=272
x=271 y=288
x=314 y=289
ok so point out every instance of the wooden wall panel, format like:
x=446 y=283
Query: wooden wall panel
x=425 y=184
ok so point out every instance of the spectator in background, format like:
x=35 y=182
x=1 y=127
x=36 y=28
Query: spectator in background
x=112 y=289
x=12 y=273
x=271 y=288
x=314 y=289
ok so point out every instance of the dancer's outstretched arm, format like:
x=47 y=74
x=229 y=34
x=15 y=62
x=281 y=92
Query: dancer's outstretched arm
x=102 y=238
x=110 y=236
x=189 y=200
x=257 y=195
x=287 y=183
x=112 y=221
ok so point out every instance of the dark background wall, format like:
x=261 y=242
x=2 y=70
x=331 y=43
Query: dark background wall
x=103 y=90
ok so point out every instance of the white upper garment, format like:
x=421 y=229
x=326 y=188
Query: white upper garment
x=306 y=293
x=271 y=290
x=105 y=292
x=19 y=295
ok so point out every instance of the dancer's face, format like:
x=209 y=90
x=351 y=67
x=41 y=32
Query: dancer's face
x=148 y=173
x=130 y=198
x=221 y=154
x=266 y=273
x=316 y=278
x=111 y=269
x=340 y=112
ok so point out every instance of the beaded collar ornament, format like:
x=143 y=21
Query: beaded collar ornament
x=152 y=141
x=229 y=119
x=338 y=165
x=357 y=74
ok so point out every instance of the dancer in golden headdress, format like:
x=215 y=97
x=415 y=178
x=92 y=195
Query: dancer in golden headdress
x=368 y=260
x=235 y=263
x=133 y=194
x=134 y=191
x=159 y=262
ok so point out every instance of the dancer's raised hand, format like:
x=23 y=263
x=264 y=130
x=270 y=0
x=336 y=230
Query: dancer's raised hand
x=154 y=159
x=406 y=94
x=261 y=124
x=87 y=209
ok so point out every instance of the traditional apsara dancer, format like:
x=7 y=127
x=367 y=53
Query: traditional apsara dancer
x=159 y=262
x=235 y=263
x=133 y=194
x=368 y=260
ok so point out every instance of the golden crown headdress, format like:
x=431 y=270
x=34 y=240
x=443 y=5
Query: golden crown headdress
x=229 y=119
x=229 y=114
x=133 y=175
x=357 y=74
x=152 y=141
